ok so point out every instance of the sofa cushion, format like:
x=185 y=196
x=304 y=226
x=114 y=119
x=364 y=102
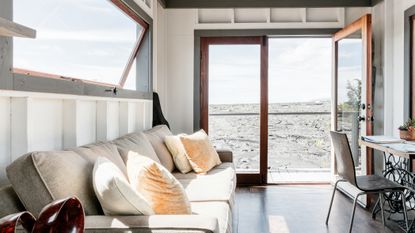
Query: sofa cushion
x=178 y=152
x=116 y=195
x=9 y=201
x=153 y=224
x=136 y=142
x=217 y=209
x=221 y=183
x=108 y=150
x=200 y=151
x=157 y=185
x=156 y=137
x=41 y=177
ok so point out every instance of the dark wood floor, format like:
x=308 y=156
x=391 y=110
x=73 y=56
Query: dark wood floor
x=302 y=209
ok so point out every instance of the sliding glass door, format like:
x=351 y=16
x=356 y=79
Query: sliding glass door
x=231 y=101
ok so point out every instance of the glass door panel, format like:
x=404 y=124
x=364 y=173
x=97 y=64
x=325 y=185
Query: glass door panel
x=353 y=93
x=234 y=102
x=349 y=92
x=299 y=110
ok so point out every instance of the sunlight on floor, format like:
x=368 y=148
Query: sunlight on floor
x=277 y=224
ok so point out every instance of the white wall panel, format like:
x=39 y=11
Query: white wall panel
x=283 y=15
x=5 y=157
x=127 y=118
x=87 y=122
x=20 y=126
x=251 y=15
x=47 y=124
x=140 y=116
x=113 y=120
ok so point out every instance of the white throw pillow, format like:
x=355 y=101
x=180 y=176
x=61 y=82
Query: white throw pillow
x=178 y=152
x=153 y=181
x=116 y=195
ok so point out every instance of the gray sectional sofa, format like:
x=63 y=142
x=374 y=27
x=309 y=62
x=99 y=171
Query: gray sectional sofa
x=38 y=178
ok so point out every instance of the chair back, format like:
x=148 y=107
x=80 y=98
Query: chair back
x=343 y=155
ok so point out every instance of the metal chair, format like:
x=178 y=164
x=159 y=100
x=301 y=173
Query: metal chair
x=366 y=184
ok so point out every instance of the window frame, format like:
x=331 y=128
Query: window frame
x=31 y=81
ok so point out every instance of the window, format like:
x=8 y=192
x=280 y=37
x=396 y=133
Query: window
x=93 y=40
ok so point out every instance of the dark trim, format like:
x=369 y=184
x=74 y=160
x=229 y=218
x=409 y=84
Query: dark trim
x=408 y=80
x=263 y=141
x=163 y=3
x=133 y=11
x=266 y=3
x=251 y=32
x=248 y=179
x=375 y=2
x=134 y=7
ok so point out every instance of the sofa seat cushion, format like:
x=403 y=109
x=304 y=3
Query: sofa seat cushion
x=39 y=178
x=153 y=224
x=156 y=137
x=135 y=142
x=218 y=185
x=217 y=171
x=217 y=209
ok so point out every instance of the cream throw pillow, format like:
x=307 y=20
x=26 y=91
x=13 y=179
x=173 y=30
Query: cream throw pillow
x=200 y=152
x=178 y=152
x=152 y=180
x=115 y=194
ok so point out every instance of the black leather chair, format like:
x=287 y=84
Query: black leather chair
x=366 y=184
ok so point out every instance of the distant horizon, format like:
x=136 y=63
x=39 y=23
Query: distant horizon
x=295 y=102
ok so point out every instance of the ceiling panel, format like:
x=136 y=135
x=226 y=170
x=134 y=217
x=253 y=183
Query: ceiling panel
x=266 y=3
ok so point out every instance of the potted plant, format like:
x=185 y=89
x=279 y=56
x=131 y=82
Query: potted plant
x=407 y=130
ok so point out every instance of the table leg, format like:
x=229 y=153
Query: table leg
x=398 y=170
x=376 y=208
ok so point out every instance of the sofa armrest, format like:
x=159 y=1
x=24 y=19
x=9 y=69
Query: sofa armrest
x=225 y=156
x=9 y=201
x=155 y=223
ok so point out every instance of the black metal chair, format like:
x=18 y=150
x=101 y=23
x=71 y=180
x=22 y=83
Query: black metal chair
x=366 y=184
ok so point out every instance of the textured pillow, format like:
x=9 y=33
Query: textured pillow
x=178 y=152
x=136 y=142
x=39 y=178
x=114 y=192
x=200 y=152
x=156 y=137
x=157 y=185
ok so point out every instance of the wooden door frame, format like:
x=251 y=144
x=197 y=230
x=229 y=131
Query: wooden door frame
x=244 y=178
x=412 y=66
x=363 y=24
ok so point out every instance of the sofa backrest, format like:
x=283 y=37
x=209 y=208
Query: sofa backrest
x=39 y=178
x=156 y=137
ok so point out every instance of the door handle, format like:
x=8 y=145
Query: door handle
x=361 y=118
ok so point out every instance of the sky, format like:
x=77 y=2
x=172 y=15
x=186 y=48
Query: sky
x=89 y=39
x=300 y=69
